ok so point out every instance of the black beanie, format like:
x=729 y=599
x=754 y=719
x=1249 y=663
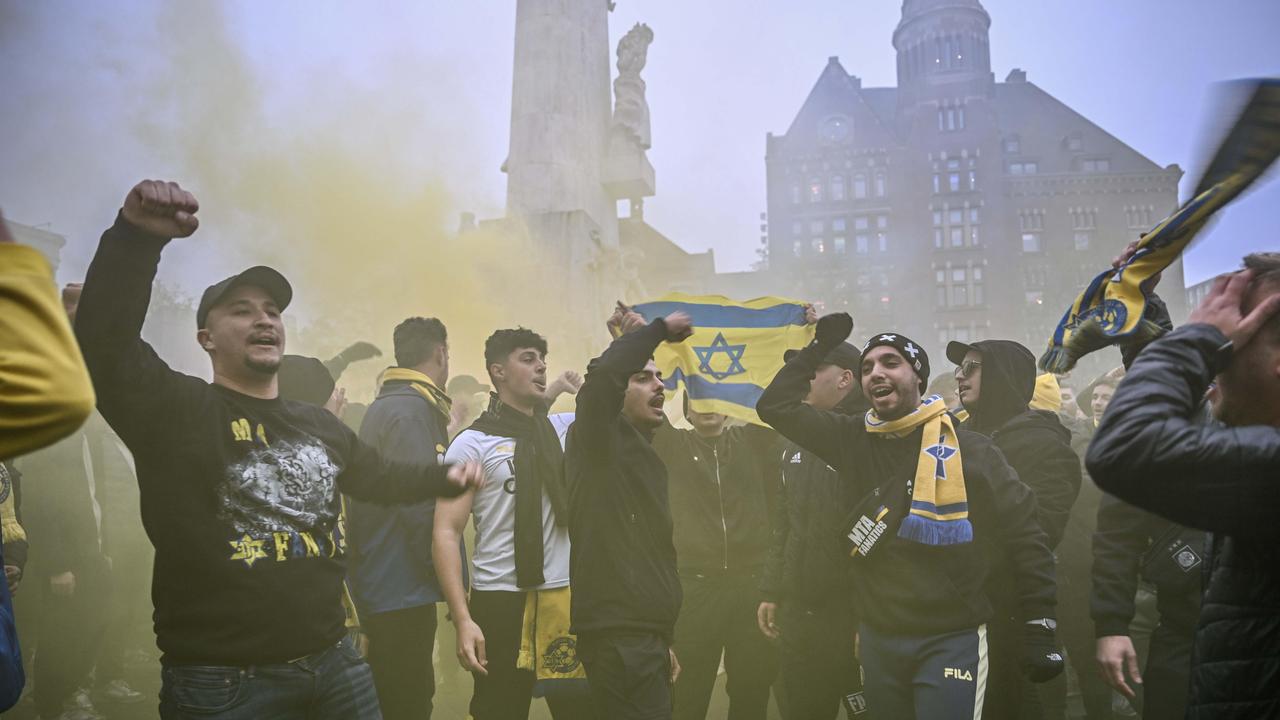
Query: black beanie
x=908 y=348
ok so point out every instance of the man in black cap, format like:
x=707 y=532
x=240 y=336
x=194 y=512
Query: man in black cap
x=933 y=500
x=807 y=601
x=239 y=488
x=997 y=379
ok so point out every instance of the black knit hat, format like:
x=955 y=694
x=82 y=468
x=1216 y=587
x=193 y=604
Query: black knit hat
x=907 y=348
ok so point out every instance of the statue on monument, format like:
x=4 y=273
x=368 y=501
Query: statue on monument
x=630 y=109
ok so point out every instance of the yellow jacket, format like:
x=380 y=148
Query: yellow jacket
x=45 y=393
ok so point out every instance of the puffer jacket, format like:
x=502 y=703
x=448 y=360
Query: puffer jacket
x=1151 y=451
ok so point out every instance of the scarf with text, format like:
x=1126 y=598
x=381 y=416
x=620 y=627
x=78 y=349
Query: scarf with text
x=939 y=504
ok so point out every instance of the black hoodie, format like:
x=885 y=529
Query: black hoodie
x=1034 y=442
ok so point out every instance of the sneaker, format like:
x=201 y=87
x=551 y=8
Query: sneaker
x=80 y=707
x=118 y=691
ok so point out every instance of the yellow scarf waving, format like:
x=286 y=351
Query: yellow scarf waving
x=420 y=382
x=1111 y=308
x=546 y=647
x=939 y=504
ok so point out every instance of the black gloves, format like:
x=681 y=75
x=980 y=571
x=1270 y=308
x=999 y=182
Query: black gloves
x=832 y=330
x=1041 y=659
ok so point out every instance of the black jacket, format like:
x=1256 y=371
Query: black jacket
x=807 y=563
x=722 y=493
x=1034 y=442
x=1122 y=542
x=908 y=587
x=622 y=561
x=1151 y=451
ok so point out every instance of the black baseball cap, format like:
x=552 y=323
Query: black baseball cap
x=261 y=276
x=843 y=355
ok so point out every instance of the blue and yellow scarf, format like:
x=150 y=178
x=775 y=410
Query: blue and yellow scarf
x=939 y=504
x=1111 y=308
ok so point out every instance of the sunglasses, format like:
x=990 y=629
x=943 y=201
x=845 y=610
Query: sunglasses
x=967 y=367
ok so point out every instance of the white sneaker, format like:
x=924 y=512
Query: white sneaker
x=80 y=707
x=118 y=691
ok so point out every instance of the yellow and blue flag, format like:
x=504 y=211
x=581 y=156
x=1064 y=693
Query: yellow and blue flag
x=734 y=352
x=1111 y=308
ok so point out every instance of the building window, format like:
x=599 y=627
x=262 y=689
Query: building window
x=942 y=296
x=941 y=275
x=973 y=179
x=797 y=248
x=959 y=295
x=818 y=245
x=796 y=194
x=837 y=225
x=882 y=241
x=1096 y=166
x=860 y=222
x=937 y=237
x=1082 y=240
x=861 y=244
x=973 y=235
x=956 y=217
x=1075 y=143
x=957 y=237
x=937 y=183
x=977 y=294
x=973 y=216
x=882 y=221
x=797 y=227
x=815 y=190
x=953 y=182
x=957 y=275
x=1031 y=242
x=1031 y=219
x=837 y=244
x=1023 y=168
x=937 y=218
x=859 y=186
x=837 y=187
x=881 y=185
x=1012 y=145
x=815 y=227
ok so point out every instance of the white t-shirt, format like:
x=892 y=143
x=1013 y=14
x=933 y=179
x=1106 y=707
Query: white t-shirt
x=493 y=562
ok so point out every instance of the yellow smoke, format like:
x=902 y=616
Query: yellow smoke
x=334 y=194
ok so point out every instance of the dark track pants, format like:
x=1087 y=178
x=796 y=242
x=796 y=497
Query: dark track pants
x=938 y=677
x=718 y=617
x=819 y=669
x=400 y=646
x=629 y=675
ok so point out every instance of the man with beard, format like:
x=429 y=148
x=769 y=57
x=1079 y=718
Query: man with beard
x=239 y=489
x=935 y=503
x=626 y=592
x=997 y=379
x=807 y=604
x=521 y=542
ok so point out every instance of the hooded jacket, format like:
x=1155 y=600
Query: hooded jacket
x=1034 y=442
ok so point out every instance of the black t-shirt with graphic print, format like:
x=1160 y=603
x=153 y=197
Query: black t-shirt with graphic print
x=239 y=495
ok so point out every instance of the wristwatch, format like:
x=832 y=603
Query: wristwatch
x=1047 y=623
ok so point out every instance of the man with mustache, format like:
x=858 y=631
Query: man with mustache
x=239 y=488
x=935 y=500
x=626 y=594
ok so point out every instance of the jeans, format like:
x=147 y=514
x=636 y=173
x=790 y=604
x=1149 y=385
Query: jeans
x=333 y=684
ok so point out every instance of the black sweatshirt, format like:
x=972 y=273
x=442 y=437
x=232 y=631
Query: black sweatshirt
x=239 y=495
x=622 y=559
x=907 y=587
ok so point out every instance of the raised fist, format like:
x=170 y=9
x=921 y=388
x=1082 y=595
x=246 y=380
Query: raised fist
x=833 y=329
x=161 y=209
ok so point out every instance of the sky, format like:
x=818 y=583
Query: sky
x=411 y=102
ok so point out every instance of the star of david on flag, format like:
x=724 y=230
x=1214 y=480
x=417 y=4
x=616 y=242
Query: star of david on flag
x=735 y=350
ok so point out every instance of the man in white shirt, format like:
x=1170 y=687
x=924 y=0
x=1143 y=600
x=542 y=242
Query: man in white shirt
x=521 y=542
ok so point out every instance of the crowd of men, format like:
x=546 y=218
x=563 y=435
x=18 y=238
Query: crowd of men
x=894 y=541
